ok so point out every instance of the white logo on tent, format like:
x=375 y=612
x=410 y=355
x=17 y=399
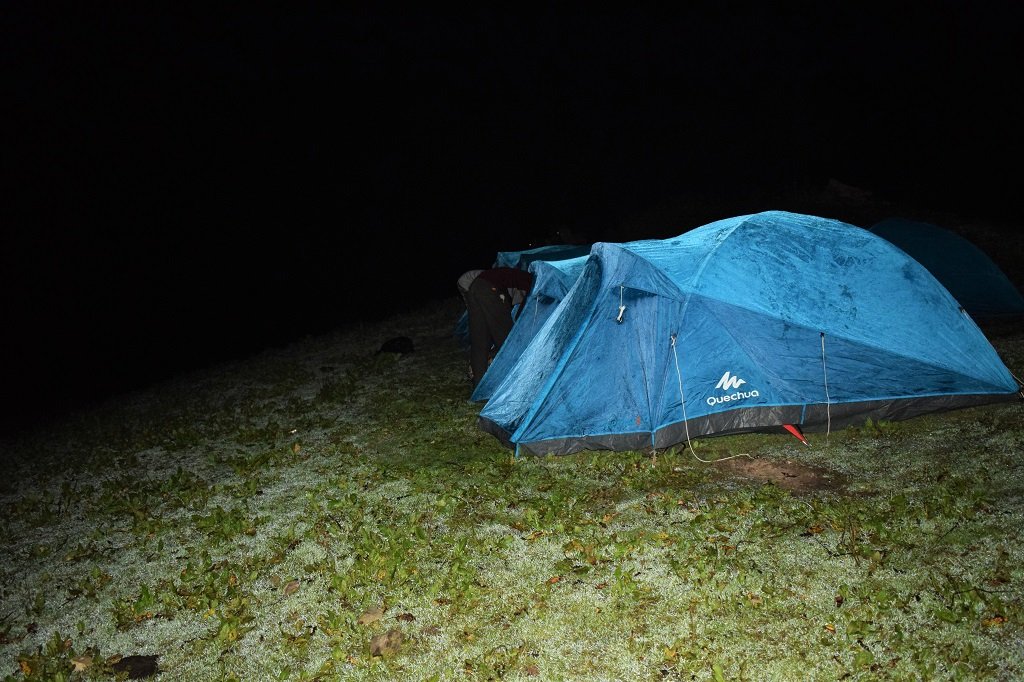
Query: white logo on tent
x=729 y=383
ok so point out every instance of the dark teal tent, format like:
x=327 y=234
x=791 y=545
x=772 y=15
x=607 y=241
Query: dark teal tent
x=522 y=259
x=975 y=281
x=751 y=323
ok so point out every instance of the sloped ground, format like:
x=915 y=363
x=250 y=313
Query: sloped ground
x=324 y=512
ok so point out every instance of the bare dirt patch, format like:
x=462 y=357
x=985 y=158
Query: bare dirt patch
x=785 y=474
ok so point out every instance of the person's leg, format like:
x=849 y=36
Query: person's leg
x=496 y=307
x=478 y=300
x=498 y=312
x=500 y=323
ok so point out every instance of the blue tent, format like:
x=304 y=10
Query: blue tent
x=745 y=324
x=552 y=281
x=965 y=270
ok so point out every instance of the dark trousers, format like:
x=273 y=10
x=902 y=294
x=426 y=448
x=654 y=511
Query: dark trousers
x=490 y=320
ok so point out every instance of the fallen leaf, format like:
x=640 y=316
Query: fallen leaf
x=533 y=670
x=432 y=630
x=387 y=644
x=407 y=617
x=296 y=447
x=831 y=628
x=371 y=615
x=998 y=620
x=554 y=579
x=291 y=587
x=81 y=662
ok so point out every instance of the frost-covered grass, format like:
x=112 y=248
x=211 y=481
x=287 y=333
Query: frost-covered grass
x=277 y=517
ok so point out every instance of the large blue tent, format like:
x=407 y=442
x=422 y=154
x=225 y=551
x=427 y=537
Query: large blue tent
x=745 y=324
x=552 y=280
x=965 y=270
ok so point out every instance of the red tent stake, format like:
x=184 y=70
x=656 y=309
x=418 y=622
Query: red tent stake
x=795 y=430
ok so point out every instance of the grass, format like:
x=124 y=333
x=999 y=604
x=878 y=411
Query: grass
x=324 y=513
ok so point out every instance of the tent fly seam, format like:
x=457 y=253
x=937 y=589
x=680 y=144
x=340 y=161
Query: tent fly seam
x=556 y=371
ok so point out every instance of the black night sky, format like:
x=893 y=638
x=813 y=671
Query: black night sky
x=196 y=183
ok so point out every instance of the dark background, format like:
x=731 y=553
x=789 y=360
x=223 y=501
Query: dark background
x=191 y=184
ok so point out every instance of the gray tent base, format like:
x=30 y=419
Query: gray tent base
x=810 y=418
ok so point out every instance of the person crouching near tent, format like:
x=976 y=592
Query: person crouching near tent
x=490 y=296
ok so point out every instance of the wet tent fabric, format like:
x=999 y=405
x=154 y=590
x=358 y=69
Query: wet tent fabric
x=744 y=324
x=552 y=281
x=522 y=260
x=965 y=270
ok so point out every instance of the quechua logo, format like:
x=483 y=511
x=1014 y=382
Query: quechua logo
x=730 y=382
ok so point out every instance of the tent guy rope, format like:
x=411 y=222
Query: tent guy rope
x=828 y=399
x=686 y=424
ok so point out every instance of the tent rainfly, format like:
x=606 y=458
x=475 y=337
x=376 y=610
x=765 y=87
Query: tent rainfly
x=752 y=323
x=965 y=270
x=551 y=282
